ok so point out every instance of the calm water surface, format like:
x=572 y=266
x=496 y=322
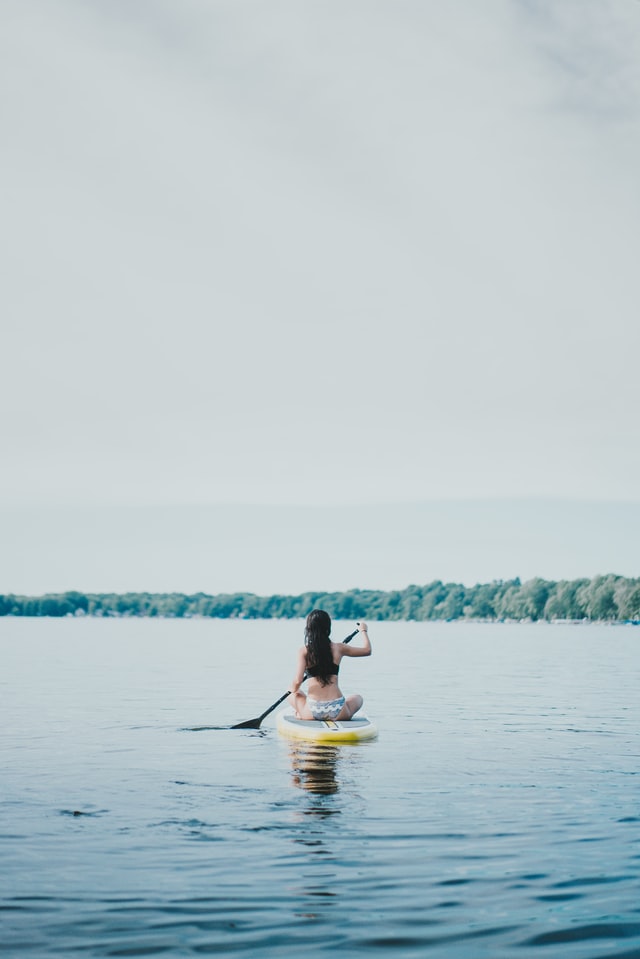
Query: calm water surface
x=498 y=814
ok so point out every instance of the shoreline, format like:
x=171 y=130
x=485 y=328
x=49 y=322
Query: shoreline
x=603 y=600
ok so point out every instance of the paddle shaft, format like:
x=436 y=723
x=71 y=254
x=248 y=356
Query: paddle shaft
x=255 y=723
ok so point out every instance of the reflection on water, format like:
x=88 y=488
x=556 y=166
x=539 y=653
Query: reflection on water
x=314 y=768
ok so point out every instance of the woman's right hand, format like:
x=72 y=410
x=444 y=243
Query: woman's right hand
x=362 y=627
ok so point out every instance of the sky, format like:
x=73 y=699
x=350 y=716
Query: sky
x=344 y=257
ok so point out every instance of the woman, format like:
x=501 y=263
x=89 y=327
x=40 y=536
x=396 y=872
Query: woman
x=319 y=661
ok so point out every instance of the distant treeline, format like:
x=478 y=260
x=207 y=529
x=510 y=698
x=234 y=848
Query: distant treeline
x=612 y=598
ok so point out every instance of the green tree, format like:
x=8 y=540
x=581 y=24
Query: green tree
x=564 y=602
x=432 y=595
x=628 y=601
x=512 y=604
x=452 y=606
x=598 y=597
x=535 y=593
x=481 y=601
x=411 y=602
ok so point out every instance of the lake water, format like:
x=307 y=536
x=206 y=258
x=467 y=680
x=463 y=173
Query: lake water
x=497 y=815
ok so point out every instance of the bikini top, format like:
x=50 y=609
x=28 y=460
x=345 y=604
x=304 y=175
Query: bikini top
x=313 y=671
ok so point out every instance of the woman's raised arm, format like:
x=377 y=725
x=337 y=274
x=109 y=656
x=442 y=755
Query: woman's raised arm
x=364 y=650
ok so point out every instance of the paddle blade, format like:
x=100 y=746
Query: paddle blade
x=255 y=723
x=249 y=724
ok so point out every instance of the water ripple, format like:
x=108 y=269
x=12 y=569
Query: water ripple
x=604 y=930
x=589 y=881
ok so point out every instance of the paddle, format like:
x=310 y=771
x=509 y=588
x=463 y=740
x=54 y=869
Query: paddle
x=255 y=723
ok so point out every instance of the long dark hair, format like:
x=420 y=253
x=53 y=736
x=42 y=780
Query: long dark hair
x=316 y=637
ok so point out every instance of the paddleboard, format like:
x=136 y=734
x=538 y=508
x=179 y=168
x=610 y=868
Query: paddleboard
x=354 y=730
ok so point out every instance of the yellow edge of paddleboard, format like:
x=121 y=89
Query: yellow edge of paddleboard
x=326 y=731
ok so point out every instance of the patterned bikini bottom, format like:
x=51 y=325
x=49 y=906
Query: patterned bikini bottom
x=325 y=708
